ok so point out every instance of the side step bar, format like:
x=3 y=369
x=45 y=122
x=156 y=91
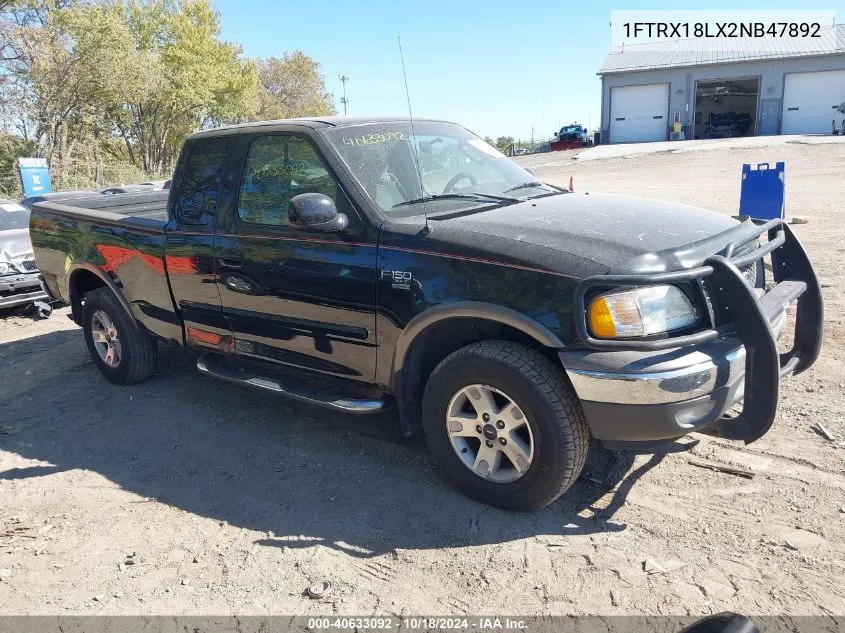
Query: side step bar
x=329 y=398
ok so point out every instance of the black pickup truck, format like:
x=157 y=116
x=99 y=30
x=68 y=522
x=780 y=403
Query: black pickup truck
x=366 y=263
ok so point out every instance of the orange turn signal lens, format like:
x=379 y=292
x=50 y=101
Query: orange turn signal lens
x=601 y=321
x=640 y=312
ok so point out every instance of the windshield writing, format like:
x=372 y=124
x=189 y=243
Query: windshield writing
x=435 y=163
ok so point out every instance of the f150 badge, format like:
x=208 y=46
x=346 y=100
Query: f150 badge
x=400 y=279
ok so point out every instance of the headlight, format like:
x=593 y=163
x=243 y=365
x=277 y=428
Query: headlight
x=640 y=312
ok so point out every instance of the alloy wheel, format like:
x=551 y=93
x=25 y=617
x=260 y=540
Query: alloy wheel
x=489 y=433
x=106 y=339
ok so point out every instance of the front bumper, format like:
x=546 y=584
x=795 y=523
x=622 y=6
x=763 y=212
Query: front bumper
x=20 y=289
x=647 y=391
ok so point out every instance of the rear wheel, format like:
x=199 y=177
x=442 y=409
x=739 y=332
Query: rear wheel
x=505 y=425
x=123 y=352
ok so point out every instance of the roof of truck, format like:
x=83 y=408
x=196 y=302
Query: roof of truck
x=318 y=122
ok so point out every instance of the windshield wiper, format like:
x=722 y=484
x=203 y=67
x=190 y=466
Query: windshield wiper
x=457 y=196
x=526 y=185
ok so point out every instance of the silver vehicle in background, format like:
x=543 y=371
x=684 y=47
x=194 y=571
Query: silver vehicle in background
x=839 y=119
x=20 y=281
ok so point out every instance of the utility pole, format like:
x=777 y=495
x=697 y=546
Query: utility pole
x=344 y=78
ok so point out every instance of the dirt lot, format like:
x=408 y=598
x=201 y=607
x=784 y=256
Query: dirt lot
x=186 y=495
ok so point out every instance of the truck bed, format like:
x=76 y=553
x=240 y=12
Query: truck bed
x=147 y=205
x=117 y=239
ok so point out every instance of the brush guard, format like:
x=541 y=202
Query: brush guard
x=745 y=316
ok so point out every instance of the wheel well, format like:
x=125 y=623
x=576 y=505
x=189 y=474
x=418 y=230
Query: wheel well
x=434 y=344
x=82 y=282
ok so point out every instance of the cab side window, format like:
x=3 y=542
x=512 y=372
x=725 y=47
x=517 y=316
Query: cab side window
x=199 y=185
x=277 y=169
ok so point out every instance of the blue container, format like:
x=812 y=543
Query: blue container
x=763 y=189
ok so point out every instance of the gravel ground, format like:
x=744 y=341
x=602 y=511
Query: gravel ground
x=186 y=495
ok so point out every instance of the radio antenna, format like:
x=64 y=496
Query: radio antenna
x=413 y=134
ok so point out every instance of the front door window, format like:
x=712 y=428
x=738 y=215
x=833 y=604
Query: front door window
x=277 y=169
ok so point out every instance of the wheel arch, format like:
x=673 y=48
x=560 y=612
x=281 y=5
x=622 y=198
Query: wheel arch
x=84 y=278
x=437 y=332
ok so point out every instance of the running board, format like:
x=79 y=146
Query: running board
x=330 y=398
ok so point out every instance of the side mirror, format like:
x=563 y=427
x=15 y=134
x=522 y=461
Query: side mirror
x=315 y=212
x=531 y=171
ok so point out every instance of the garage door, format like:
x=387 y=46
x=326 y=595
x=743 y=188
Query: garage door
x=809 y=100
x=639 y=113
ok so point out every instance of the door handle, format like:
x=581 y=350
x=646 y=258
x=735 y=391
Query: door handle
x=231 y=259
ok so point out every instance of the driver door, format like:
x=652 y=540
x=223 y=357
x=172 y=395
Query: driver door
x=291 y=295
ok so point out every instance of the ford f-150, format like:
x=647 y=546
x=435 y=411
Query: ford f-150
x=363 y=263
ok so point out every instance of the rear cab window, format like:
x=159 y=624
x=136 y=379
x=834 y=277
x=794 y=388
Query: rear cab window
x=198 y=187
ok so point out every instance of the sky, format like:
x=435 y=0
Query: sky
x=498 y=67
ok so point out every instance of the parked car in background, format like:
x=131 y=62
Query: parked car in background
x=839 y=119
x=20 y=281
x=129 y=189
x=55 y=196
x=157 y=184
x=573 y=132
x=728 y=124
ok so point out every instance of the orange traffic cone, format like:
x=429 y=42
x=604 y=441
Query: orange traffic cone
x=571 y=187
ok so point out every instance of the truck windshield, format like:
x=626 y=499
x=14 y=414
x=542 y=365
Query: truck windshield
x=456 y=168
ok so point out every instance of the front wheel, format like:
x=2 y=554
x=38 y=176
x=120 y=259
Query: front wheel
x=123 y=352
x=505 y=425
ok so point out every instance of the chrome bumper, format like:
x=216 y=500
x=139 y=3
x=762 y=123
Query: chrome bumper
x=659 y=377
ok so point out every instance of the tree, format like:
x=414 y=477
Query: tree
x=11 y=147
x=77 y=74
x=181 y=75
x=50 y=76
x=106 y=88
x=291 y=86
x=503 y=143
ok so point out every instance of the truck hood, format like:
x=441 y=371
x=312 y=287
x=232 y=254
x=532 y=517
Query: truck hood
x=14 y=244
x=608 y=230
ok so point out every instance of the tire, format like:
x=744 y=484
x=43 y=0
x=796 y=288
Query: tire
x=834 y=131
x=136 y=360
x=549 y=412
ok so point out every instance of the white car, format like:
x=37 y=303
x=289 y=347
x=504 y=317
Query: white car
x=839 y=119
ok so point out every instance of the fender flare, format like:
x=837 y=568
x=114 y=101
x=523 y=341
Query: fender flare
x=442 y=312
x=109 y=283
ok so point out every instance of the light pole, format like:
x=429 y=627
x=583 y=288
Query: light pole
x=344 y=78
